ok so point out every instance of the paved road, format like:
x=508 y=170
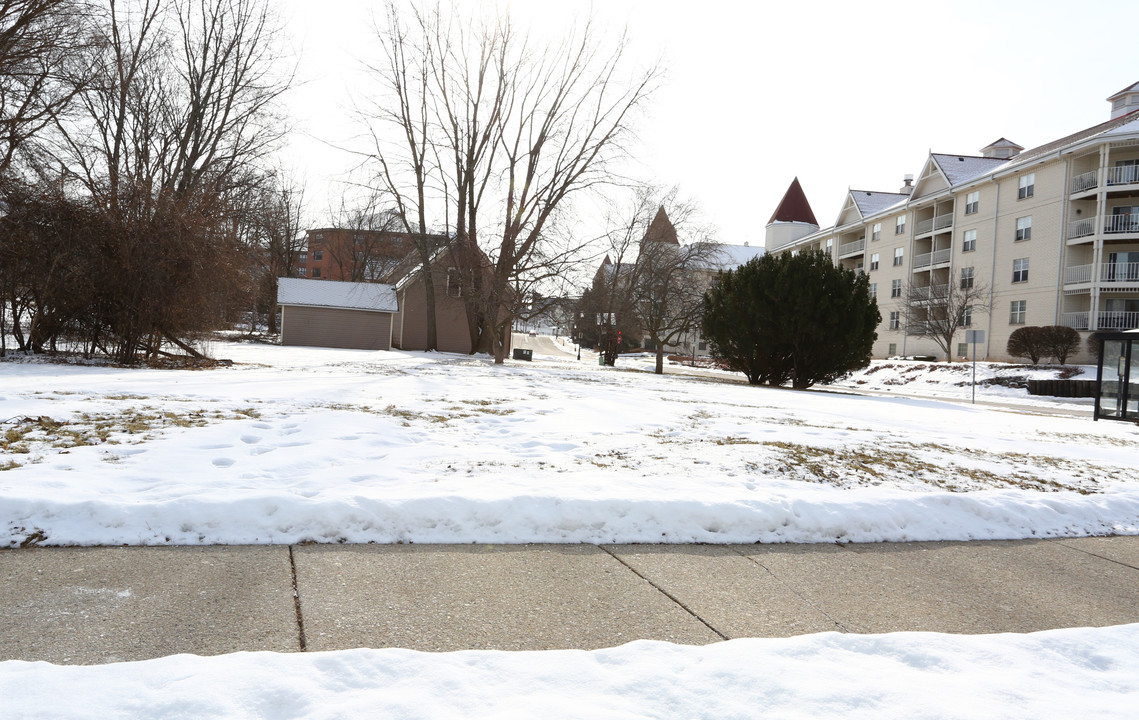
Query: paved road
x=97 y=605
x=541 y=345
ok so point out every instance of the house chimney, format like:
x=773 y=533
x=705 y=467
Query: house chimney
x=908 y=188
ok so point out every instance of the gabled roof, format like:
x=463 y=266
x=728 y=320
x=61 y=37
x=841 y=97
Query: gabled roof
x=661 y=229
x=963 y=168
x=871 y=202
x=1115 y=126
x=794 y=207
x=1134 y=87
x=335 y=294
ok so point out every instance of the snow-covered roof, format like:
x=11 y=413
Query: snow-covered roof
x=732 y=256
x=871 y=202
x=963 y=168
x=334 y=294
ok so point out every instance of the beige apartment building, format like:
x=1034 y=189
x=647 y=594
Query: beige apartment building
x=1050 y=234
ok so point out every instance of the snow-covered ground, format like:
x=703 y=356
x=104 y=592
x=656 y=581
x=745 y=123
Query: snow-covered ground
x=294 y=444
x=1082 y=673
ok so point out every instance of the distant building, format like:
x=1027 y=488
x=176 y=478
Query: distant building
x=1052 y=232
x=353 y=255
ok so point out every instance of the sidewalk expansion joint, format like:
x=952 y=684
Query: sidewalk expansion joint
x=1097 y=555
x=297 y=603
x=666 y=593
x=795 y=592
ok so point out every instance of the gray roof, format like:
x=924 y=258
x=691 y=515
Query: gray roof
x=963 y=168
x=333 y=294
x=870 y=202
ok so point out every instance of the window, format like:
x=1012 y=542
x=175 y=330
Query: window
x=962 y=349
x=900 y=225
x=873 y=291
x=966 y=278
x=300 y=272
x=969 y=241
x=1027 y=186
x=972 y=202
x=876 y=233
x=874 y=261
x=316 y=272
x=895 y=319
x=318 y=255
x=1023 y=228
x=318 y=237
x=893 y=350
x=302 y=258
x=830 y=246
x=898 y=253
x=895 y=288
x=1016 y=313
x=967 y=316
x=454 y=283
x=1020 y=270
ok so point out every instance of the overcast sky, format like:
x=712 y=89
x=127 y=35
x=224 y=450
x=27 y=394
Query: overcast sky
x=841 y=94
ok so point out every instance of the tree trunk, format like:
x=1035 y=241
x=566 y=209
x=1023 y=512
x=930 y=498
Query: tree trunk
x=660 y=358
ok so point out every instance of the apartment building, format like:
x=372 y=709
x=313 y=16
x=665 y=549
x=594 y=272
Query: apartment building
x=1050 y=235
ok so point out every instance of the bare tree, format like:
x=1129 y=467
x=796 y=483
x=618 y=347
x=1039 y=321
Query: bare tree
x=278 y=235
x=522 y=127
x=43 y=64
x=939 y=311
x=161 y=161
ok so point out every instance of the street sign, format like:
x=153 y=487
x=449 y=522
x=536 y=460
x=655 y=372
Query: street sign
x=974 y=337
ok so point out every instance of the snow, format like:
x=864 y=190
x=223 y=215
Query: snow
x=296 y=444
x=1076 y=673
x=290 y=444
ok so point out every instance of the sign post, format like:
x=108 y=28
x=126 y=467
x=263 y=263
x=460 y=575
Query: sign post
x=974 y=337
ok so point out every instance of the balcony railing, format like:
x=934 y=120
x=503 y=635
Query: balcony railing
x=1121 y=223
x=922 y=261
x=851 y=247
x=1107 y=320
x=942 y=221
x=1081 y=228
x=1120 y=272
x=1078 y=274
x=923 y=226
x=1075 y=320
x=1118 y=320
x=1084 y=181
x=934 y=292
x=941 y=256
x=1124 y=175
x=1127 y=272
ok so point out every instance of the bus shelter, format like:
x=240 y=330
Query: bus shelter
x=1117 y=377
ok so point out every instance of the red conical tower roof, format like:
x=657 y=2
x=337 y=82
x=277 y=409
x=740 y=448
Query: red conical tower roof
x=794 y=207
x=661 y=229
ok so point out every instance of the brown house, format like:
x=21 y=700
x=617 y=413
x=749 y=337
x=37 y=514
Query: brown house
x=378 y=316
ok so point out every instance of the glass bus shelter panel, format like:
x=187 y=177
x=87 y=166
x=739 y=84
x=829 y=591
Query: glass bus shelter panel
x=1110 y=395
x=1131 y=398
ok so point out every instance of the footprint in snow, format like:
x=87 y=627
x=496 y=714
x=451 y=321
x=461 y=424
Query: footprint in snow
x=250 y=439
x=223 y=462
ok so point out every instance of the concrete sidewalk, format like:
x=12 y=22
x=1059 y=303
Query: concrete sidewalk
x=97 y=605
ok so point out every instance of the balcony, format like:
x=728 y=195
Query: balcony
x=852 y=248
x=1075 y=320
x=929 y=259
x=1123 y=175
x=1106 y=320
x=1084 y=182
x=1118 y=320
x=1109 y=274
x=1113 y=225
x=934 y=223
x=930 y=292
x=1121 y=223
